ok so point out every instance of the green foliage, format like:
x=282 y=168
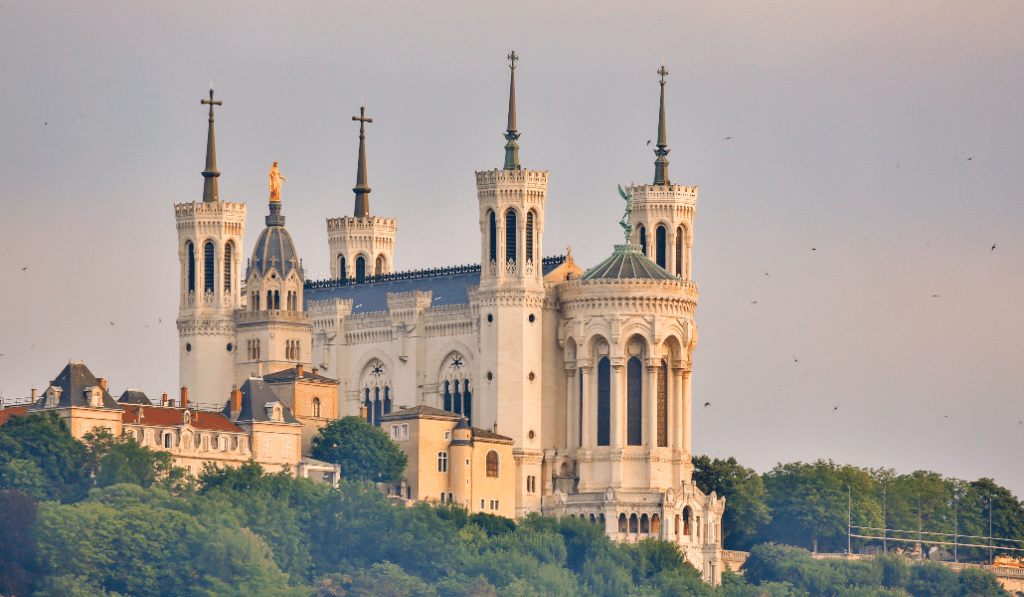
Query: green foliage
x=492 y=524
x=39 y=456
x=18 y=570
x=975 y=582
x=364 y=452
x=746 y=511
x=117 y=460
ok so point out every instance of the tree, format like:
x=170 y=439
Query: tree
x=362 y=451
x=123 y=460
x=18 y=569
x=746 y=511
x=39 y=455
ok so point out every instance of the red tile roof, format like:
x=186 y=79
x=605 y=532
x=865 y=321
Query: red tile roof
x=162 y=416
x=7 y=413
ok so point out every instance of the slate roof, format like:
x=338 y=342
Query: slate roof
x=10 y=411
x=161 y=416
x=73 y=380
x=418 y=411
x=627 y=262
x=134 y=397
x=256 y=395
x=448 y=286
x=274 y=248
x=291 y=374
x=489 y=435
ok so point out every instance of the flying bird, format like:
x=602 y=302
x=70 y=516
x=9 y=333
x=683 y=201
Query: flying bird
x=158 y=320
x=766 y=273
x=648 y=141
x=795 y=360
x=111 y=323
x=935 y=296
x=969 y=159
x=753 y=302
x=992 y=249
x=836 y=408
x=707 y=404
x=24 y=268
x=727 y=138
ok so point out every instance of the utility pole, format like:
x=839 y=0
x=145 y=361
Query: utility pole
x=849 y=521
x=920 y=548
x=991 y=555
x=956 y=531
x=885 y=524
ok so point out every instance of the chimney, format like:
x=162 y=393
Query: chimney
x=315 y=372
x=164 y=402
x=298 y=368
x=103 y=382
x=34 y=394
x=495 y=427
x=184 y=397
x=236 y=400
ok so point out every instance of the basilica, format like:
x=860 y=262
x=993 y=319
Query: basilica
x=523 y=384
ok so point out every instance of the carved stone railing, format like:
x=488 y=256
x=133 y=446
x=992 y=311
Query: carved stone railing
x=208 y=298
x=529 y=269
x=492 y=268
x=190 y=298
x=510 y=267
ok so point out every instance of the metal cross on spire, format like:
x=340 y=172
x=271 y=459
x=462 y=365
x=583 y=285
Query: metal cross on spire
x=361 y=190
x=210 y=174
x=512 y=58
x=663 y=73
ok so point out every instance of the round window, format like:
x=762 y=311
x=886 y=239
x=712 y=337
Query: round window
x=490 y=318
x=532 y=318
x=230 y=347
x=489 y=376
x=531 y=376
x=188 y=347
x=530 y=434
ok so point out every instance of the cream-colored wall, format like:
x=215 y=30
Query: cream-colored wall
x=82 y=420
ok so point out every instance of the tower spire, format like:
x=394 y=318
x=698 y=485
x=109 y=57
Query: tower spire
x=661 y=163
x=361 y=190
x=210 y=174
x=511 y=148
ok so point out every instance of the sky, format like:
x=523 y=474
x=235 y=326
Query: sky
x=860 y=165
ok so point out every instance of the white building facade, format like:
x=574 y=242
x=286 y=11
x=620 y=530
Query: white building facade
x=587 y=372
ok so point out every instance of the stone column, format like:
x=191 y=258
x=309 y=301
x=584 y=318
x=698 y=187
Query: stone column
x=572 y=405
x=650 y=402
x=618 y=406
x=679 y=416
x=687 y=413
x=671 y=408
x=589 y=410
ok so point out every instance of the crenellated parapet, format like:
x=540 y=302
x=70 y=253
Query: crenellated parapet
x=361 y=247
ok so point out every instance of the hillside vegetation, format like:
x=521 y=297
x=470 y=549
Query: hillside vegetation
x=108 y=517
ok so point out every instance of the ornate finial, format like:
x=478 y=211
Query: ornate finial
x=210 y=174
x=511 y=147
x=661 y=162
x=627 y=225
x=361 y=190
x=568 y=252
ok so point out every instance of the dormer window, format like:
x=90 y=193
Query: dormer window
x=275 y=411
x=94 y=396
x=52 y=396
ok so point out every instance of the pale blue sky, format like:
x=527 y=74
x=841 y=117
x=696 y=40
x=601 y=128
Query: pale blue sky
x=852 y=125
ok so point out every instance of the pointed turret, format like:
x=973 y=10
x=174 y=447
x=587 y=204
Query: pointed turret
x=511 y=148
x=210 y=174
x=661 y=163
x=361 y=190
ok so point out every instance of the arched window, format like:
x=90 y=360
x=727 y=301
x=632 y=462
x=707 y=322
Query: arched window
x=579 y=426
x=448 y=397
x=316 y=407
x=387 y=400
x=378 y=407
x=457 y=399
x=492 y=464
x=360 y=269
x=227 y=268
x=510 y=236
x=679 y=251
x=634 y=402
x=645 y=524
x=467 y=402
x=342 y=274
x=191 y=268
x=277 y=300
x=686 y=520
x=208 y=267
x=493 y=236
x=604 y=401
x=634 y=524
x=623 y=528
x=663 y=405
x=378 y=269
x=660 y=254
x=677 y=527
x=368 y=406
x=643 y=240
x=529 y=236
x=270 y=299
x=655 y=524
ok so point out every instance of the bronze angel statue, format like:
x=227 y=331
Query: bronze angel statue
x=627 y=226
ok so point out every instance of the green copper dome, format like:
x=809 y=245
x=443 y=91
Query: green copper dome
x=627 y=262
